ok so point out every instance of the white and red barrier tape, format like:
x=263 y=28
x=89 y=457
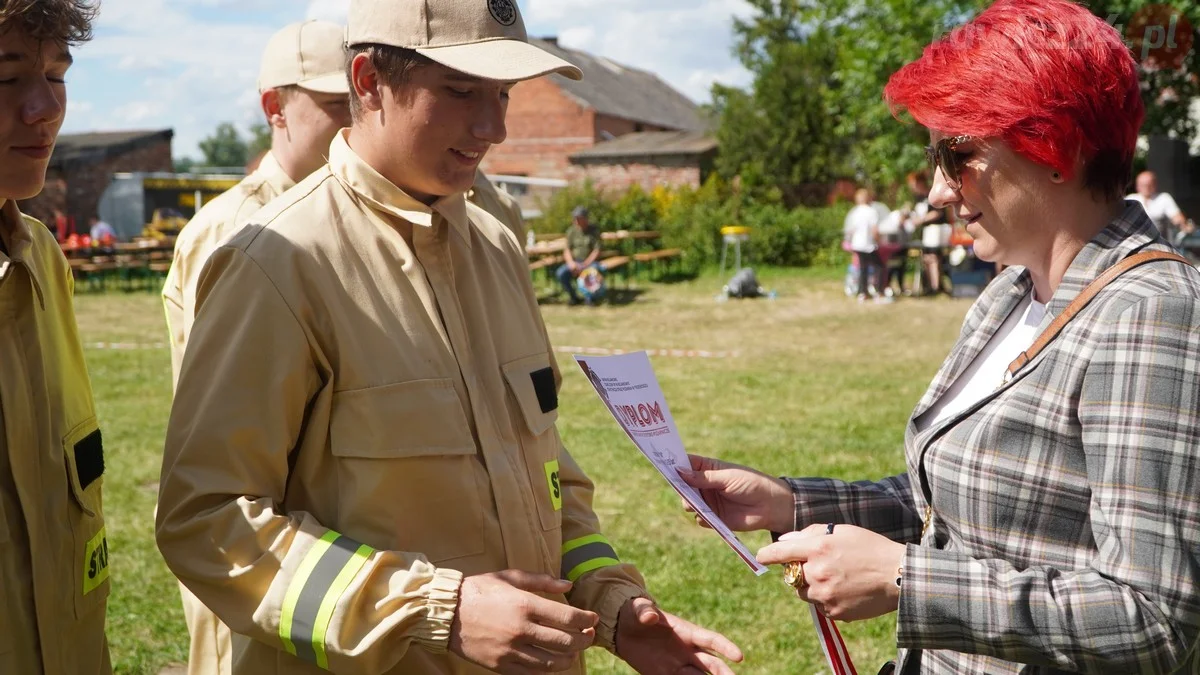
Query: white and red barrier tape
x=589 y=351
x=673 y=353
x=126 y=346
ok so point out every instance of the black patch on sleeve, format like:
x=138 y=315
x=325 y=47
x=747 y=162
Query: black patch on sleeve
x=543 y=385
x=89 y=459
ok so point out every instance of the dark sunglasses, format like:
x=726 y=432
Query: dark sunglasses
x=942 y=156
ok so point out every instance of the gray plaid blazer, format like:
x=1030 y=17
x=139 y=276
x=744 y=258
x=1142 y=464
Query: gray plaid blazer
x=1065 y=507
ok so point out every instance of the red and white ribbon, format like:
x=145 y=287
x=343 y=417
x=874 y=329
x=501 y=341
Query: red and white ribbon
x=832 y=644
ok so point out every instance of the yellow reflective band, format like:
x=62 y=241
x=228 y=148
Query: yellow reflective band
x=293 y=592
x=95 y=561
x=569 y=546
x=582 y=555
x=325 y=613
x=326 y=572
x=593 y=564
x=554 y=485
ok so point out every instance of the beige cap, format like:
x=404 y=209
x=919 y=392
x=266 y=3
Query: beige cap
x=311 y=55
x=483 y=38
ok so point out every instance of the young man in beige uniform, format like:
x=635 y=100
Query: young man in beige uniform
x=54 y=564
x=362 y=471
x=304 y=94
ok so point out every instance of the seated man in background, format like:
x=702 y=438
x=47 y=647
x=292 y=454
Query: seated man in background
x=582 y=253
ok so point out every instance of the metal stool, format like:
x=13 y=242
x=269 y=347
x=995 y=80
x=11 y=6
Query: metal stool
x=733 y=234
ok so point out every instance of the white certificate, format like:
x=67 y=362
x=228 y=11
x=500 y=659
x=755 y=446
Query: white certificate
x=627 y=385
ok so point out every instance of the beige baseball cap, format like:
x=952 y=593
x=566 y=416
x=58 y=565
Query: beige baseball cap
x=310 y=55
x=483 y=38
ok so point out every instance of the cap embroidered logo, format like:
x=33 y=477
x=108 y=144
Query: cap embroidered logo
x=503 y=11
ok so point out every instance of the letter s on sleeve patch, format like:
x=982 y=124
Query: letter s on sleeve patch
x=552 y=482
x=95 y=561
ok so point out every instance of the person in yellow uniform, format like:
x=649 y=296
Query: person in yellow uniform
x=304 y=95
x=362 y=472
x=54 y=555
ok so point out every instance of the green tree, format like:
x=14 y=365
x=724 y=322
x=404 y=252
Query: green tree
x=260 y=140
x=1165 y=44
x=225 y=147
x=815 y=111
x=184 y=165
x=779 y=137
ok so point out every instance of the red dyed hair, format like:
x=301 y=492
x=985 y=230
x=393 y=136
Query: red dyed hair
x=1048 y=77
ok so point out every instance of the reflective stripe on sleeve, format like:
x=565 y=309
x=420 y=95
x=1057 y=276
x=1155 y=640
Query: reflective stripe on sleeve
x=580 y=556
x=324 y=575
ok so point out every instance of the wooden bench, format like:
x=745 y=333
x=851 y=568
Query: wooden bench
x=662 y=255
x=543 y=263
x=615 y=262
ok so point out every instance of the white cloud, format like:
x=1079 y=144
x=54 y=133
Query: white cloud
x=688 y=43
x=136 y=112
x=328 y=10
x=172 y=66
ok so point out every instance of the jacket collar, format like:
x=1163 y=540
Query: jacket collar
x=358 y=176
x=14 y=228
x=271 y=173
x=1127 y=233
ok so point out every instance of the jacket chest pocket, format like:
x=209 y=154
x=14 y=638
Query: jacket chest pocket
x=408 y=469
x=83 y=449
x=533 y=384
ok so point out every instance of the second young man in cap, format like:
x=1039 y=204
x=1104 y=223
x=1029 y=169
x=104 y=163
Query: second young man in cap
x=362 y=470
x=304 y=97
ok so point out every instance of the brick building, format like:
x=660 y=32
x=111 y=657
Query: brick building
x=553 y=118
x=83 y=165
x=647 y=159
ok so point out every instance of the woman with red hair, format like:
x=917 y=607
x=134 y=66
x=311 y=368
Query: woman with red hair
x=1049 y=517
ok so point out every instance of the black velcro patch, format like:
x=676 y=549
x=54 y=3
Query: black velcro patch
x=89 y=459
x=543 y=385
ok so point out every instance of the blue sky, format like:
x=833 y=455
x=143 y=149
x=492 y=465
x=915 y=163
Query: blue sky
x=191 y=64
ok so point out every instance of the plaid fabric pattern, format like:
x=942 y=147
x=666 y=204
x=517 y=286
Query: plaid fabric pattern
x=1065 y=529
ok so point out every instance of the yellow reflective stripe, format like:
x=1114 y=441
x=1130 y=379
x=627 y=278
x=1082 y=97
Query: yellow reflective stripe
x=95 y=561
x=582 y=555
x=593 y=564
x=339 y=586
x=297 y=585
x=569 y=546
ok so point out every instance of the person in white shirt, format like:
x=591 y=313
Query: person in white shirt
x=1160 y=206
x=861 y=230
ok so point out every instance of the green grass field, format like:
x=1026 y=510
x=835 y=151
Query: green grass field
x=821 y=386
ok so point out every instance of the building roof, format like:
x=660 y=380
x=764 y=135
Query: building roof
x=95 y=146
x=650 y=144
x=614 y=89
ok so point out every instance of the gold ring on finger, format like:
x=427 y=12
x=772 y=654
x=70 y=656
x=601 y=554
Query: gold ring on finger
x=793 y=575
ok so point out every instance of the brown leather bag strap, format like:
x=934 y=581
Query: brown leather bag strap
x=1086 y=297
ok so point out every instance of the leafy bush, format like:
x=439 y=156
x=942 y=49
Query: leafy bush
x=691 y=220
